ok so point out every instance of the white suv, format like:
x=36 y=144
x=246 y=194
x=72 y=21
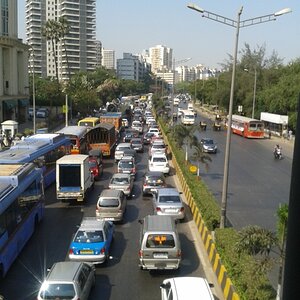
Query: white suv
x=159 y=162
x=119 y=152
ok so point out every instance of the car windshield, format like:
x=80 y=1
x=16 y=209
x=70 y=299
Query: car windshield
x=169 y=199
x=160 y=241
x=58 y=291
x=122 y=148
x=126 y=164
x=208 y=142
x=120 y=180
x=89 y=236
x=109 y=202
x=159 y=159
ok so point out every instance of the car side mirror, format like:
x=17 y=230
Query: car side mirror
x=141 y=221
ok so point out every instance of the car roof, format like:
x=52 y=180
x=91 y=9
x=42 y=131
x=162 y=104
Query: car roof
x=167 y=191
x=120 y=175
x=89 y=223
x=110 y=193
x=192 y=288
x=124 y=145
x=63 y=271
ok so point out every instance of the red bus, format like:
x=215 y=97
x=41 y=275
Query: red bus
x=78 y=138
x=247 y=127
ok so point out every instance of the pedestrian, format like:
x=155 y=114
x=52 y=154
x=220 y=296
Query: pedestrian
x=290 y=134
x=270 y=134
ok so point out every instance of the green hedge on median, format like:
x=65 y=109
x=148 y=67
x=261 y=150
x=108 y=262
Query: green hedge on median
x=250 y=281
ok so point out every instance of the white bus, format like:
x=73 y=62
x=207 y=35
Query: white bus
x=187 y=117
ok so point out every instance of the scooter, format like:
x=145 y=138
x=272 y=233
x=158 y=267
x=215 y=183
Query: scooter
x=277 y=153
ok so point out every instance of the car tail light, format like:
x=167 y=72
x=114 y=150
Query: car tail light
x=103 y=250
x=128 y=188
x=133 y=170
x=178 y=253
x=182 y=209
x=167 y=164
x=151 y=165
x=71 y=251
x=140 y=253
x=158 y=209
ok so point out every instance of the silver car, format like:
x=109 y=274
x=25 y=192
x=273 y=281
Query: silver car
x=168 y=202
x=123 y=182
x=119 y=152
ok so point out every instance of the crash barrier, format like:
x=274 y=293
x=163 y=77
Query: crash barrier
x=214 y=258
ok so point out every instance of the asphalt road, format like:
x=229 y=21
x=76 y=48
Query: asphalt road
x=120 y=277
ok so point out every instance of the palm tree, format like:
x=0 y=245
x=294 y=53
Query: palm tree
x=64 y=29
x=185 y=135
x=200 y=157
x=51 y=31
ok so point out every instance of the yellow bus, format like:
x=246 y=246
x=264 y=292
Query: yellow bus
x=89 y=122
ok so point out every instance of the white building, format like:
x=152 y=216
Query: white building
x=78 y=53
x=108 y=59
x=14 y=91
x=160 y=58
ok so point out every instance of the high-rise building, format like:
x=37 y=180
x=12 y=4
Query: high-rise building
x=160 y=58
x=108 y=59
x=14 y=91
x=76 y=51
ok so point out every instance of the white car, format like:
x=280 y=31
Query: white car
x=182 y=288
x=154 y=130
x=137 y=125
x=119 y=152
x=158 y=146
x=125 y=123
x=159 y=162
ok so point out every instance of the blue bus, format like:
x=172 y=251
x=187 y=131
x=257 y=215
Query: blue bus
x=42 y=149
x=21 y=209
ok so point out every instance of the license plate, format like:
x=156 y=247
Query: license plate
x=153 y=190
x=86 y=252
x=170 y=210
x=109 y=219
x=160 y=255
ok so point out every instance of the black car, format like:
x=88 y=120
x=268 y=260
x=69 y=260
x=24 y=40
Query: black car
x=147 y=138
x=137 y=144
x=129 y=135
x=153 y=181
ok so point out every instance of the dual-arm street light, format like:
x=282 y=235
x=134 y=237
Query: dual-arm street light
x=237 y=24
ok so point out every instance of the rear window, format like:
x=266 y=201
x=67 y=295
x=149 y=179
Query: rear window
x=109 y=202
x=126 y=164
x=169 y=199
x=89 y=236
x=160 y=241
x=159 y=159
x=120 y=180
x=57 y=291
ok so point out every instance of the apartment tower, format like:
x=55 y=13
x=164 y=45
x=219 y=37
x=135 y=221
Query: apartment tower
x=76 y=51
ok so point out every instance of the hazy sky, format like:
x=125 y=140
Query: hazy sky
x=134 y=25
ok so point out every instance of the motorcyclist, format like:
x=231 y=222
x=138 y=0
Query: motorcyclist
x=277 y=151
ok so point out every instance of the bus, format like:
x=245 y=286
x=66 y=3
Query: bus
x=78 y=138
x=247 y=127
x=102 y=137
x=21 y=209
x=89 y=122
x=42 y=149
x=187 y=117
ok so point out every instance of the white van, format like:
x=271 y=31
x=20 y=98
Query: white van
x=187 y=117
x=186 y=288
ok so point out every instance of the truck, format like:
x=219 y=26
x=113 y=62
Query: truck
x=102 y=137
x=114 y=118
x=73 y=177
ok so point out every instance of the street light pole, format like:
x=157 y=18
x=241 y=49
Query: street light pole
x=33 y=89
x=236 y=24
x=254 y=93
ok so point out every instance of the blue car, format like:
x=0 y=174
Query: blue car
x=92 y=241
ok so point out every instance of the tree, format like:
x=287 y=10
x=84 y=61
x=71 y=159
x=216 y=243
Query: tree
x=51 y=31
x=200 y=157
x=63 y=30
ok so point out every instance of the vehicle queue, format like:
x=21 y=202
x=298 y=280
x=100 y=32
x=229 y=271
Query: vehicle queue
x=92 y=244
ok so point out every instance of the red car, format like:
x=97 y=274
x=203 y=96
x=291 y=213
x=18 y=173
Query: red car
x=95 y=162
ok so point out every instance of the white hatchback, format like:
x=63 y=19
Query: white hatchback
x=158 y=162
x=154 y=130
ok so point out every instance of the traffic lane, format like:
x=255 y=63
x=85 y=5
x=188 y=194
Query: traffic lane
x=122 y=274
x=47 y=245
x=257 y=183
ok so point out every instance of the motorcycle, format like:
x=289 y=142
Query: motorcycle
x=277 y=153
